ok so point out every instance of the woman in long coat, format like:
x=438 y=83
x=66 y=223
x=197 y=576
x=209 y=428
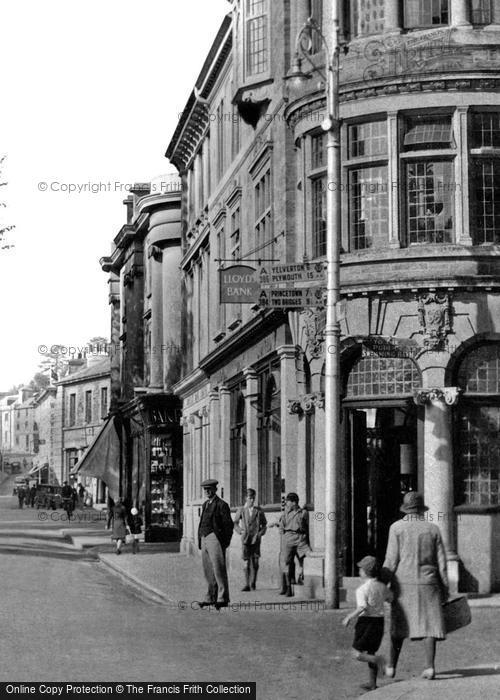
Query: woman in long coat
x=119 y=524
x=417 y=559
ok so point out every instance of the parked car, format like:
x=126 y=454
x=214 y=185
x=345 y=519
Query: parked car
x=48 y=497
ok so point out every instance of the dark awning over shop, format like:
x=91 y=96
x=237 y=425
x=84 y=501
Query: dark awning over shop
x=102 y=458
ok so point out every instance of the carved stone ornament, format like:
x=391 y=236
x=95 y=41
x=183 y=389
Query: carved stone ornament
x=435 y=314
x=448 y=394
x=307 y=403
x=314 y=326
x=155 y=252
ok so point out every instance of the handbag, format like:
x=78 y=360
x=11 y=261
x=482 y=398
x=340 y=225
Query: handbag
x=129 y=538
x=456 y=613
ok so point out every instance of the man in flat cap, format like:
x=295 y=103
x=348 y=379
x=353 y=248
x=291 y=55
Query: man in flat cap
x=250 y=522
x=294 y=530
x=214 y=535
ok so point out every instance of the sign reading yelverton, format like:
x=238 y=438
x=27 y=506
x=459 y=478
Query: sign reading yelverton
x=239 y=284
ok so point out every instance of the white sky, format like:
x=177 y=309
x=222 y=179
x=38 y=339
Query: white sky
x=90 y=92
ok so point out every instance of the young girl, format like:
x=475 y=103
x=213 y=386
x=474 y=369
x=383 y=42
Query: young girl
x=369 y=613
x=135 y=526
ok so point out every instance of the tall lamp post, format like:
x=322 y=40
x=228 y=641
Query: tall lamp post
x=332 y=329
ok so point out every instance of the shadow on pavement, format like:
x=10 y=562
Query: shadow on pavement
x=34 y=550
x=468 y=672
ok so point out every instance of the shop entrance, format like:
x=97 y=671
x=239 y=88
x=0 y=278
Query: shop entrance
x=381 y=467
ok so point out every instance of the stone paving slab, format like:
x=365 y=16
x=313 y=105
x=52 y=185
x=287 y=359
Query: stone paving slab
x=472 y=682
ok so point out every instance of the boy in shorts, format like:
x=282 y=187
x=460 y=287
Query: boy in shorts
x=369 y=613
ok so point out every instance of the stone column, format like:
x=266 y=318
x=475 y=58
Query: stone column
x=156 y=363
x=392 y=20
x=287 y=355
x=224 y=473
x=214 y=458
x=394 y=182
x=460 y=15
x=438 y=468
x=461 y=194
x=251 y=396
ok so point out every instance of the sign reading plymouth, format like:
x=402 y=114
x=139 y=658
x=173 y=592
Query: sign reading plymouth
x=239 y=284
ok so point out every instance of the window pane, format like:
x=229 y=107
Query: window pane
x=479 y=372
x=257 y=52
x=368 y=139
x=319 y=216
x=431 y=133
x=379 y=376
x=316 y=13
x=481 y=11
x=485 y=183
x=486 y=130
x=430 y=202
x=318 y=154
x=367 y=17
x=425 y=13
x=479 y=453
x=368 y=207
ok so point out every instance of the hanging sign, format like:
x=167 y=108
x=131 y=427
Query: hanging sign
x=239 y=284
x=296 y=273
x=299 y=297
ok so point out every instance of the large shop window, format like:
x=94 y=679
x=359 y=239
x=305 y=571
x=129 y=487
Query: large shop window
x=478 y=453
x=380 y=376
x=238 y=447
x=485 y=177
x=257 y=37
x=425 y=13
x=367 y=17
x=269 y=435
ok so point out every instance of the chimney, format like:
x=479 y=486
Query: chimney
x=76 y=365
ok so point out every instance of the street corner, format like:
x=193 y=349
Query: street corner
x=452 y=684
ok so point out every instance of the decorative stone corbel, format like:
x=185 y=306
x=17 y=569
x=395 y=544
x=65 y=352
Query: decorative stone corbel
x=448 y=394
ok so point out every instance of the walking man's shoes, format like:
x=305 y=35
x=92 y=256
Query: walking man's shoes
x=205 y=603
x=220 y=605
x=245 y=588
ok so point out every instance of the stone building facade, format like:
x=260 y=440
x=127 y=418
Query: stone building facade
x=420 y=274
x=145 y=436
x=82 y=404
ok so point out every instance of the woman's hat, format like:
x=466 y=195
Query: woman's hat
x=134 y=511
x=413 y=502
x=292 y=497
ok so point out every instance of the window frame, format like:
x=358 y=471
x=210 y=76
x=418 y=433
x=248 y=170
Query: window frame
x=269 y=448
x=72 y=410
x=238 y=467
x=249 y=19
x=421 y=24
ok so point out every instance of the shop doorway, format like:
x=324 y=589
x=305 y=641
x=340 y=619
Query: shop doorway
x=381 y=467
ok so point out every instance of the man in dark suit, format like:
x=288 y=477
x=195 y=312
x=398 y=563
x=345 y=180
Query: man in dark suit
x=250 y=522
x=214 y=535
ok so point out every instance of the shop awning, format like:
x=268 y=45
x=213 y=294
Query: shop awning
x=102 y=458
x=37 y=468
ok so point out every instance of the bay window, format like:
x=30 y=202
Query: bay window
x=419 y=14
x=485 y=177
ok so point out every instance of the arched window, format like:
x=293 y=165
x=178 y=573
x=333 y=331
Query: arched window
x=269 y=427
x=383 y=376
x=478 y=454
x=238 y=437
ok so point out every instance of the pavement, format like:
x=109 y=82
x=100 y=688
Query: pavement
x=468 y=664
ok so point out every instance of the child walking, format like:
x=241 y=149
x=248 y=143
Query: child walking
x=135 y=525
x=369 y=613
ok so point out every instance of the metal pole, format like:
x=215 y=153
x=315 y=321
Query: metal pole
x=332 y=328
